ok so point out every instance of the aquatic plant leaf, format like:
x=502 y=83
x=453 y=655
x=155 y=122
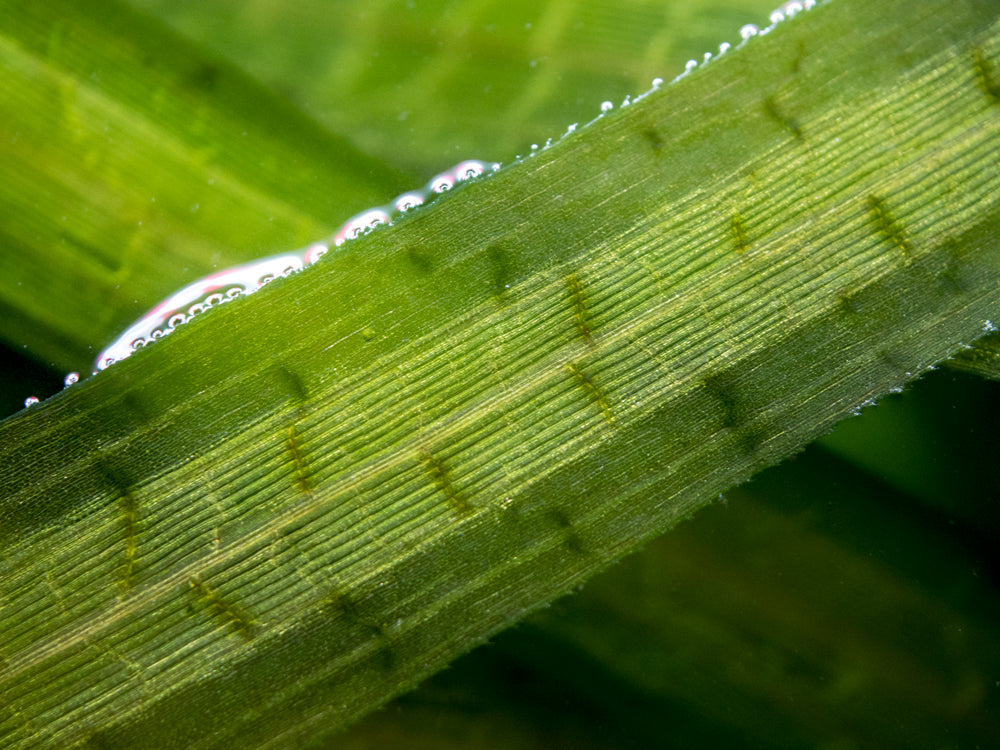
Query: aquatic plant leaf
x=265 y=525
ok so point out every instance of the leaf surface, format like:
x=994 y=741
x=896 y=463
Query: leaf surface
x=264 y=526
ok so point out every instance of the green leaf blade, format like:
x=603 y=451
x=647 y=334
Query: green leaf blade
x=369 y=468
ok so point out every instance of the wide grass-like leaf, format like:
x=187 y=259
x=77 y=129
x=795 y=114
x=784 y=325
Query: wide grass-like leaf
x=266 y=525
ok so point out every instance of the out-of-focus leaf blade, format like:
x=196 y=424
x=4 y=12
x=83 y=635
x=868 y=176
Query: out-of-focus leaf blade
x=776 y=618
x=423 y=84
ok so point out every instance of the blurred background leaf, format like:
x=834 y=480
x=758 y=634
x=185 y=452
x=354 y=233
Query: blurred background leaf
x=421 y=85
x=845 y=599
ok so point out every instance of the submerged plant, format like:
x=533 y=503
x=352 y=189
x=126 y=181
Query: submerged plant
x=298 y=506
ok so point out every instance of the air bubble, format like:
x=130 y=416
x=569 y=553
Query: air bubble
x=313 y=253
x=748 y=31
x=71 y=379
x=30 y=401
x=607 y=106
x=442 y=183
x=657 y=82
x=468 y=170
x=407 y=201
x=177 y=320
x=362 y=224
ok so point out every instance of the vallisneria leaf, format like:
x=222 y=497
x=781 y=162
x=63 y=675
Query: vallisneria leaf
x=259 y=529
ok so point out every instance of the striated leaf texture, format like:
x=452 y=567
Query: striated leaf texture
x=298 y=506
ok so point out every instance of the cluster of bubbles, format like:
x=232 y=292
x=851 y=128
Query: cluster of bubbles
x=70 y=379
x=223 y=286
x=749 y=31
x=226 y=285
x=781 y=13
